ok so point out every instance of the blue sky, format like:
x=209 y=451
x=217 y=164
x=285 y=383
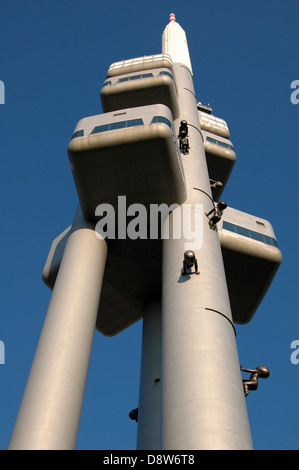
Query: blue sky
x=53 y=59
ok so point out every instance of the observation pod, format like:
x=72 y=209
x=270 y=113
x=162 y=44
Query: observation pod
x=251 y=259
x=133 y=153
x=140 y=88
x=221 y=157
x=210 y=123
x=139 y=64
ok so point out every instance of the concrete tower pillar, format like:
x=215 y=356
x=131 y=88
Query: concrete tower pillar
x=49 y=414
x=203 y=403
x=149 y=413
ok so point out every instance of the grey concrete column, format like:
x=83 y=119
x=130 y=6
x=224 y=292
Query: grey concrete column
x=149 y=413
x=50 y=410
x=203 y=403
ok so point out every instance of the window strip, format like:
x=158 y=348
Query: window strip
x=249 y=233
x=219 y=142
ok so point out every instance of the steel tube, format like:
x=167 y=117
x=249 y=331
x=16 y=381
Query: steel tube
x=49 y=413
x=203 y=403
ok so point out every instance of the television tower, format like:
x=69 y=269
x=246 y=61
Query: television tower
x=154 y=145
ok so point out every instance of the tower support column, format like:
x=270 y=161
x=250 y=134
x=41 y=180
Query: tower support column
x=203 y=403
x=49 y=413
x=149 y=413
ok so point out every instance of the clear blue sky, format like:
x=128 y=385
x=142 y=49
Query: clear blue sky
x=53 y=59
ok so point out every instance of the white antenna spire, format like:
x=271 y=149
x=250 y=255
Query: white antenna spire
x=174 y=43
